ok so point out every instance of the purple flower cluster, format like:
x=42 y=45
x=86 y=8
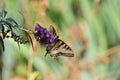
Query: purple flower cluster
x=44 y=35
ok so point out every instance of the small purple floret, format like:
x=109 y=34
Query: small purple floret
x=45 y=36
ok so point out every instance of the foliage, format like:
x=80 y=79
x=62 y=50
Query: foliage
x=9 y=25
x=90 y=27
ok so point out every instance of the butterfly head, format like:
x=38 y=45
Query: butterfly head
x=43 y=35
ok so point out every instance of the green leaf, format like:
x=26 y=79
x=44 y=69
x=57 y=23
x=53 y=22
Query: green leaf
x=2 y=29
x=7 y=24
x=11 y=21
x=2 y=44
x=4 y=13
x=18 y=44
x=4 y=33
x=14 y=36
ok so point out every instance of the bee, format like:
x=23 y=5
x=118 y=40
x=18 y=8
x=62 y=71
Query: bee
x=58 y=47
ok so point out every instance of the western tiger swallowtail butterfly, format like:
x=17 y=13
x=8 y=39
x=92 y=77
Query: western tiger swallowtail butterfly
x=58 y=47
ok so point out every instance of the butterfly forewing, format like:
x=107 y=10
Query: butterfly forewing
x=53 y=31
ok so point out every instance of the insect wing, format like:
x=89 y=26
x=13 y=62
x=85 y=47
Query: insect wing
x=60 y=48
x=53 y=31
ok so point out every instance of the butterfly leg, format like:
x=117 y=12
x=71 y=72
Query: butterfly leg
x=47 y=51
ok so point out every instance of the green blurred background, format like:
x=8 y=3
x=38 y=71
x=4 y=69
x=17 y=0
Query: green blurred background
x=90 y=27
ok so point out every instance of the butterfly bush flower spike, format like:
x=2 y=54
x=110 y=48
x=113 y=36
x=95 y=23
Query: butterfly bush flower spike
x=44 y=35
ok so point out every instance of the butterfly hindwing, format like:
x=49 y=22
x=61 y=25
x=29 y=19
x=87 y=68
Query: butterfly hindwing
x=60 y=48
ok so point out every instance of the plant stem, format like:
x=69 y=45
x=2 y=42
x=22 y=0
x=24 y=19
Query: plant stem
x=31 y=31
x=29 y=71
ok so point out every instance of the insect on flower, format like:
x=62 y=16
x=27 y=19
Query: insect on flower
x=54 y=46
x=42 y=35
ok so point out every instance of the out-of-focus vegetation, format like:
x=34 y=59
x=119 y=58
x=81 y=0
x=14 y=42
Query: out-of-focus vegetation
x=90 y=27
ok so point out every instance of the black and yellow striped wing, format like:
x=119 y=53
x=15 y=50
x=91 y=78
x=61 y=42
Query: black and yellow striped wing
x=60 y=48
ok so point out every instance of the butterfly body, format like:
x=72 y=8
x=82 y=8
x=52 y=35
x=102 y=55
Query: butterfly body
x=58 y=47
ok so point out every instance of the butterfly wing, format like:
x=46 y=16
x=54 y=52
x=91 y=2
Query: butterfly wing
x=60 y=48
x=53 y=31
x=50 y=46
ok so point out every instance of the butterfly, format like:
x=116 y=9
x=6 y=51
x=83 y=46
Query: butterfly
x=58 y=47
